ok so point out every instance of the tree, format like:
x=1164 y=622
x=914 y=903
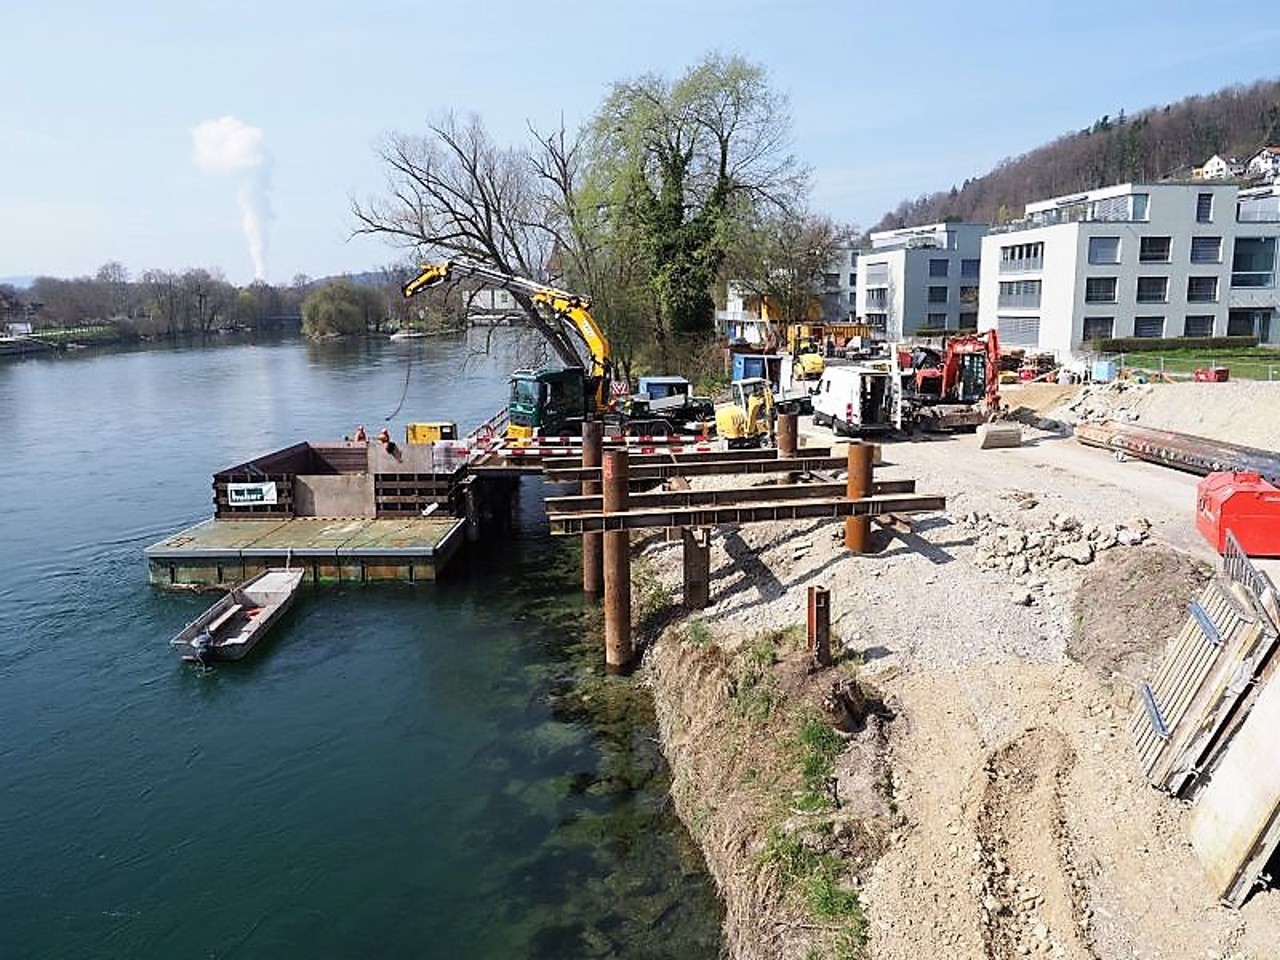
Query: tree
x=453 y=192
x=684 y=160
x=339 y=308
x=783 y=261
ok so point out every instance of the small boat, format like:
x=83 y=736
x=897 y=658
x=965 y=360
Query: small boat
x=408 y=335
x=232 y=627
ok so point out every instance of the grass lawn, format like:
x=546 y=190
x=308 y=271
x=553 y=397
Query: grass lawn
x=1258 y=363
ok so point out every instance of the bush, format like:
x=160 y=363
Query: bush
x=1170 y=344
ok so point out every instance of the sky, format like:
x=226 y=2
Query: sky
x=234 y=136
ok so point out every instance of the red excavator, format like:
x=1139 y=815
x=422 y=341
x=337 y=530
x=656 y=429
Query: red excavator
x=957 y=388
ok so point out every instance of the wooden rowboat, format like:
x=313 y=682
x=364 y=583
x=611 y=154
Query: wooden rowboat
x=233 y=626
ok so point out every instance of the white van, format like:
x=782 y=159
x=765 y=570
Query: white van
x=854 y=399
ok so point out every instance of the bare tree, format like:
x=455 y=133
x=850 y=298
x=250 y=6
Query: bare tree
x=452 y=192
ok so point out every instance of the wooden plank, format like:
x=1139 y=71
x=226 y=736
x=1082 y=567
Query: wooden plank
x=1233 y=823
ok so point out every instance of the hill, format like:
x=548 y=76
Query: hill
x=1158 y=143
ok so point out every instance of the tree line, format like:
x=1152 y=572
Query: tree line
x=1158 y=143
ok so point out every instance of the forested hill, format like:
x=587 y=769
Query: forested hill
x=1158 y=143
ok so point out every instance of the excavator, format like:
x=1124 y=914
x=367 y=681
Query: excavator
x=554 y=402
x=956 y=389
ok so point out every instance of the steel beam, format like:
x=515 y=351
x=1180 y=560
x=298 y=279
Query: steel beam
x=643 y=459
x=1180 y=451
x=707 y=498
x=706 y=468
x=835 y=508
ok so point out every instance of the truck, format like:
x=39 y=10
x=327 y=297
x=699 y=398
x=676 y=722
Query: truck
x=551 y=401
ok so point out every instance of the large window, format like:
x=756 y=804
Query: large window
x=937 y=321
x=1148 y=327
x=1153 y=289
x=938 y=267
x=1100 y=290
x=1023 y=294
x=937 y=294
x=1202 y=289
x=878 y=272
x=1155 y=249
x=1140 y=203
x=1104 y=250
x=1021 y=256
x=1098 y=328
x=1254 y=262
x=1198 y=325
x=1018 y=331
x=969 y=268
x=1206 y=249
x=1204 y=208
x=878 y=298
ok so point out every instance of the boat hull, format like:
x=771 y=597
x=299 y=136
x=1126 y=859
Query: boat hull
x=237 y=622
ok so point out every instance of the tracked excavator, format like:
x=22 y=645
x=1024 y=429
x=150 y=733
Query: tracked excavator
x=955 y=389
x=552 y=402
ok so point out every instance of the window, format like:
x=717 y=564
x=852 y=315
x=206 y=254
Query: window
x=937 y=294
x=1018 y=331
x=969 y=295
x=1140 y=201
x=1154 y=249
x=853 y=279
x=831 y=279
x=878 y=299
x=938 y=267
x=878 y=321
x=968 y=321
x=1021 y=256
x=1198 y=325
x=1153 y=289
x=853 y=299
x=1024 y=294
x=1098 y=328
x=1202 y=289
x=1148 y=327
x=1254 y=262
x=969 y=268
x=1206 y=249
x=1100 y=290
x=1204 y=208
x=937 y=321
x=1104 y=249
x=878 y=272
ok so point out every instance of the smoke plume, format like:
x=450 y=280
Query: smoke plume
x=230 y=146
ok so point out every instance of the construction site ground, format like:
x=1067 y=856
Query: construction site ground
x=1005 y=638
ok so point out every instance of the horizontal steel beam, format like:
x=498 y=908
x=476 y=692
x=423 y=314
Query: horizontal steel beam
x=704 y=468
x=569 y=524
x=641 y=459
x=1181 y=451
x=706 y=498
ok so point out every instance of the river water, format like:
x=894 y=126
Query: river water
x=437 y=770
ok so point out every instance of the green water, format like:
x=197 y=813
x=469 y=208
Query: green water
x=431 y=771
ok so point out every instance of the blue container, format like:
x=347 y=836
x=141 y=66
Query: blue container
x=1104 y=371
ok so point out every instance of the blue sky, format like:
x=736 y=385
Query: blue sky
x=98 y=103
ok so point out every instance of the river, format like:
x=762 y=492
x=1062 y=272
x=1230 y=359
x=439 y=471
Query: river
x=437 y=770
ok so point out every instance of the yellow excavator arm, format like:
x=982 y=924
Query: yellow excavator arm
x=569 y=307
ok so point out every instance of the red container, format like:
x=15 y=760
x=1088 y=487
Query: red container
x=1243 y=503
x=1210 y=375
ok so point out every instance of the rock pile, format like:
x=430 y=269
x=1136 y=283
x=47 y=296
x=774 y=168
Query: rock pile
x=1060 y=543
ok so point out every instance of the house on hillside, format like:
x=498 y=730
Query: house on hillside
x=920 y=278
x=1221 y=168
x=1134 y=260
x=1265 y=164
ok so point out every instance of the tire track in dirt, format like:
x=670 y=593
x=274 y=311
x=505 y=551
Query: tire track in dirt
x=1031 y=893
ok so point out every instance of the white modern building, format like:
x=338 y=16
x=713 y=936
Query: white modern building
x=920 y=278
x=1265 y=164
x=1135 y=260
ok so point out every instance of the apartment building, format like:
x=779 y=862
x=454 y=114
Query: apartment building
x=839 y=287
x=1134 y=260
x=920 y=278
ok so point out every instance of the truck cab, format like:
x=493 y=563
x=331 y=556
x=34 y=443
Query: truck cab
x=547 y=402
